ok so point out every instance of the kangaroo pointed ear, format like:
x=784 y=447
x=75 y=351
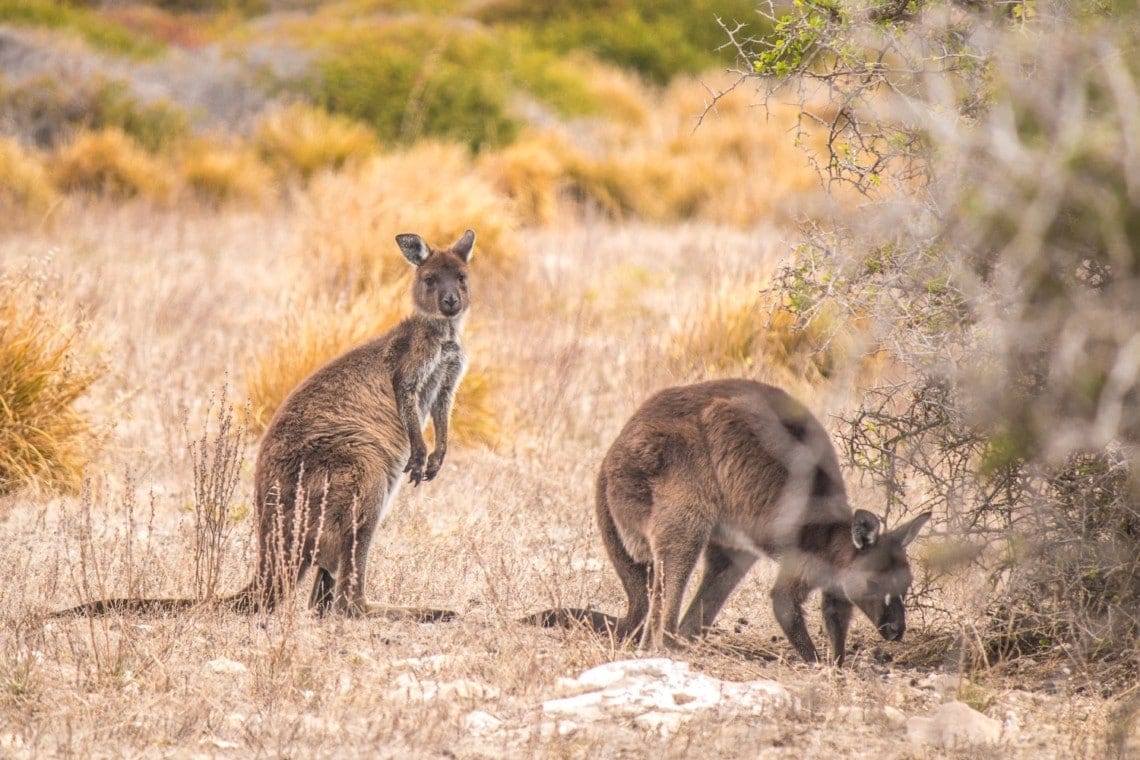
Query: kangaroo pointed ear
x=909 y=531
x=413 y=247
x=865 y=529
x=464 y=245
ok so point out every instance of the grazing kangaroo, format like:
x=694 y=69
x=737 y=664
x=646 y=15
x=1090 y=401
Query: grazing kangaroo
x=337 y=448
x=732 y=469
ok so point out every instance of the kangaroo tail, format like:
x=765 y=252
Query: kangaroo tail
x=140 y=606
x=250 y=599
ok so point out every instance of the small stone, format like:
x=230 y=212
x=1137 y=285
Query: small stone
x=480 y=722
x=225 y=666
x=954 y=724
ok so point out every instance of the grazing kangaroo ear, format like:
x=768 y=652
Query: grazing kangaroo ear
x=414 y=248
x=865 y=529
x=909 y=531
x=463 y=245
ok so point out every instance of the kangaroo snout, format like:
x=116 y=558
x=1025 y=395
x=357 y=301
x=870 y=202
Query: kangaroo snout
x=892 y=631
x=449 y=304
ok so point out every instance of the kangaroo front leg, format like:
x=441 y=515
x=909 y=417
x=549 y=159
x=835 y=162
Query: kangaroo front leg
x=405 y=393
x=787 y=602
x=451 y=367
x=836 y=619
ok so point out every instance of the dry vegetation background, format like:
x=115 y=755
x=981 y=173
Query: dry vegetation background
x=197 y=207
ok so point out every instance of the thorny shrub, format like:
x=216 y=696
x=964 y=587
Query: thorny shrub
x=999 y=270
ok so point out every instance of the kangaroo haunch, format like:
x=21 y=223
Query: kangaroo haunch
x=730 y=470
x=337 y=448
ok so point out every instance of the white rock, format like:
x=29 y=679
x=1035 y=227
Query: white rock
x=480 y=722
x=408 y=688
x=954 y=724
x=896 y=718
x=659 y=694
x=222 y=665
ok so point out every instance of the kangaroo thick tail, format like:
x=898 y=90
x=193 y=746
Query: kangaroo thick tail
x=573 y=617
x=249 y=600
x=138 y=606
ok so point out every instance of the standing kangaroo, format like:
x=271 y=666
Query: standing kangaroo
x=732 y=469
x=337 y=448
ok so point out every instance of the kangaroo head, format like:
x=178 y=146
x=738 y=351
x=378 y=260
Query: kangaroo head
x=440 y=288
x=879 y=576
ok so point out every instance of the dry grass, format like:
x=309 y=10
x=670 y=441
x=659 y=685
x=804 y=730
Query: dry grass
x=573 y=342
x=45 y=371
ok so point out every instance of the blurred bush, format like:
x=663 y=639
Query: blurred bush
x=99 y=31
x=659 y=39
x=51 y=110
x=109 y=163
x=45 y=438
x=409 y=79
x=299 y=141
x=218 y=175
x=26 y=193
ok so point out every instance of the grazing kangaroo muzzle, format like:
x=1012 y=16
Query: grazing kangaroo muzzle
x=337 y=448
x=729 y=470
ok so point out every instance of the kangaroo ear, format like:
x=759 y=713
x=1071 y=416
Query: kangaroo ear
x=463 y=245
x=865 y=529
x=909 y=531
x=413 y=247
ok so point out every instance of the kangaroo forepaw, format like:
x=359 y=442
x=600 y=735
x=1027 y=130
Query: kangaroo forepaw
x=434 y=462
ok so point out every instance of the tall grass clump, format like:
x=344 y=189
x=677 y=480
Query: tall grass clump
x=217 y=462
x=300 y=141
x=26 y=193
x=218 y=175
x=1000 y=271
x=109 y=163
x=45 y=435
x=432 y=189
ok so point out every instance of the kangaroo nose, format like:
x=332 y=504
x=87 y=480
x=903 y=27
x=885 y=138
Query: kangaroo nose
x=450 y=301
x=892 y=631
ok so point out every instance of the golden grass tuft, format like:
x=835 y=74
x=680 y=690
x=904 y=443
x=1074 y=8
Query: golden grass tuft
x=741 y=326
x=301 y=141
x=111 y=163
x=316 y=331
x=25 y=190
x=530 y=171
x=44 y=438
x=219 y=175
x=432 y=189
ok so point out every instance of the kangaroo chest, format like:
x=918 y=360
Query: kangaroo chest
x=441 y=375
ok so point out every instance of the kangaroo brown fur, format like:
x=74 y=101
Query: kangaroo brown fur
x=337 y=448
x=728 y=470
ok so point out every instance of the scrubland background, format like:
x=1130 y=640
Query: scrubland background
x=936 y=252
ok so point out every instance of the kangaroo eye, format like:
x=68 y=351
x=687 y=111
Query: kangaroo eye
x=463 y=278
x=430 y=280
